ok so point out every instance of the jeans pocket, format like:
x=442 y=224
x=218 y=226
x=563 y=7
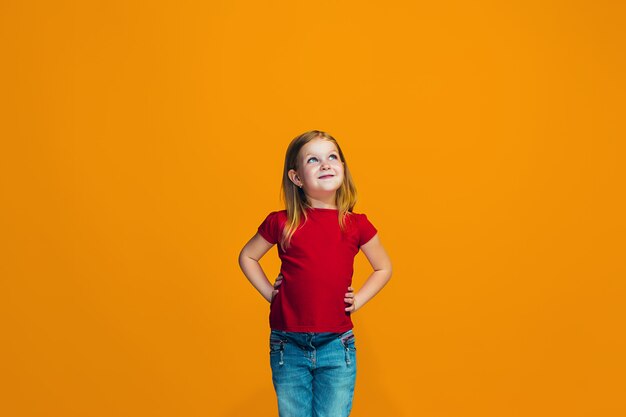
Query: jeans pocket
x=277 y=347
x=347 y=340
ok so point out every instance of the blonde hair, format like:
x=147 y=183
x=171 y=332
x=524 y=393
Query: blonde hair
x=295 y=198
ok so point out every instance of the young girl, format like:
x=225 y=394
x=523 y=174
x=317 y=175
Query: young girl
x=312 y=345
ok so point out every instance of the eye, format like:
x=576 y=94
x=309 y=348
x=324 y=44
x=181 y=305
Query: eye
x=311 y=158
x=334 y=156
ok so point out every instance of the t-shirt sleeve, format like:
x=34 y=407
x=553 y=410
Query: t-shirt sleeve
x=269 y=228
x=366 y=230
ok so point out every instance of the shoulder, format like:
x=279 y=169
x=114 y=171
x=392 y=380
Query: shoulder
x=271 y=226
x=366 y=230
x=277 y=213
x=358 y=217
x=277 y=217
x=359 y=220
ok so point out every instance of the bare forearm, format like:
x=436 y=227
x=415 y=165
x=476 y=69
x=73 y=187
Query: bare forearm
x=255 y=274
x=374 y=283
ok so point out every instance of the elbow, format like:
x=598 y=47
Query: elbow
x=242 y=258
x=385 y=273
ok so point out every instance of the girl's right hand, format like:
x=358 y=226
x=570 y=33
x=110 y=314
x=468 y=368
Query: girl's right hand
x=279 y=280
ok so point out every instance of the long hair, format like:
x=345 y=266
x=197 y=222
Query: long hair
x=294 y=197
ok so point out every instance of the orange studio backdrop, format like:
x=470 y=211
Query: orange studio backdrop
x=143 y=144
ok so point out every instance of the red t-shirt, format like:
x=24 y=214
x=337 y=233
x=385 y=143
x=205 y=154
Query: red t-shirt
x=317 y=269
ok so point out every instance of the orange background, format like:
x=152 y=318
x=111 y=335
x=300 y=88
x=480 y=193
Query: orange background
x=143 y=144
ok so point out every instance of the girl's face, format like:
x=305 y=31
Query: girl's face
x=320 y=170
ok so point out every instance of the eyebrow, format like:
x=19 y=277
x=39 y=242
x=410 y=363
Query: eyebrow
x=313 y=154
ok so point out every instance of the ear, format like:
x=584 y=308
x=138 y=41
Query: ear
x=293 y=176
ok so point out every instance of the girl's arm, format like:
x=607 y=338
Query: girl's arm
x=381 y=263
x=249 y=264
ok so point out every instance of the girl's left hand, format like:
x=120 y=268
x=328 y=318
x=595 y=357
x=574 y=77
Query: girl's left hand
x=350 y=299
x=279 y=280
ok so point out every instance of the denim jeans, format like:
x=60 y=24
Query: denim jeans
x=313 y=373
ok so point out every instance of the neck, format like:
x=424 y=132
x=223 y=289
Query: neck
x=329 y=204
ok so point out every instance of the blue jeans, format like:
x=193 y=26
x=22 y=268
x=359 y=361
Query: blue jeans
x=313 y=373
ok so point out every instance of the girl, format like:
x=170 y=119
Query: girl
x=312 y=345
